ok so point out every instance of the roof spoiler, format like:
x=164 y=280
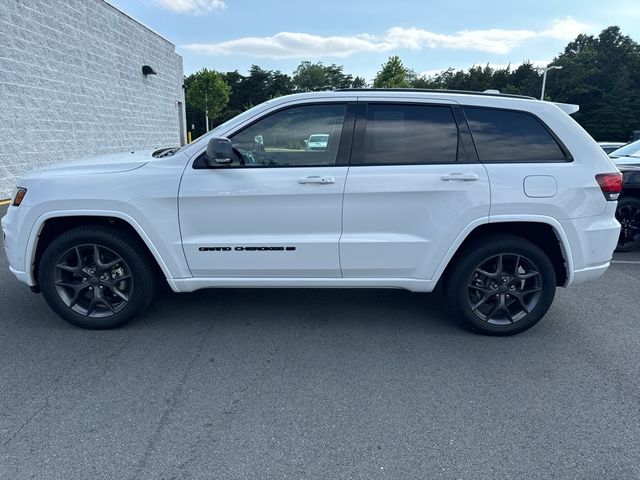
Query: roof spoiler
x=568 y=108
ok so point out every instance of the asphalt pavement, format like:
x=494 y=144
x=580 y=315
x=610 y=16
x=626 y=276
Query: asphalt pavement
x=326 y=384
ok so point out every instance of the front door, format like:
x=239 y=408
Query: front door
x=276 y=210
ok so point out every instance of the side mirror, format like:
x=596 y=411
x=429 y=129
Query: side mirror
x=219 y=152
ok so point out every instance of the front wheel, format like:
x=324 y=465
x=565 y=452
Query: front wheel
x=96 y=277
x=501 y=285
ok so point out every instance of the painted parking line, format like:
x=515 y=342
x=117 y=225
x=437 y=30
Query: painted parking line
x=627 y=262
x=5 y=202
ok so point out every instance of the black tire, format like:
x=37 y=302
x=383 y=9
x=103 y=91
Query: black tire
x=628 y=214
x=68 y=273
x=503 y=303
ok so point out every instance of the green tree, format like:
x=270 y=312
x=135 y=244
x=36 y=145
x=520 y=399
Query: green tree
x=314 y=77
x=393 y=75
x=207 y=92
x=359 y=82
x=602 y=75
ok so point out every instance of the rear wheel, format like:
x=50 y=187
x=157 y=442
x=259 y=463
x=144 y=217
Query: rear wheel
x=628 y=214
x=96 y=277
x=501 y=285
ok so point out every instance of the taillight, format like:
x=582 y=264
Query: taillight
x=610 y=184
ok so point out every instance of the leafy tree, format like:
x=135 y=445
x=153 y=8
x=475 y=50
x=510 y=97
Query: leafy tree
x=602 y=75
x=208 y=92
x=359 y=82
x=393 y=75
x=314 y=77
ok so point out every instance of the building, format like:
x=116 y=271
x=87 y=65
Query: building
x=72 y=85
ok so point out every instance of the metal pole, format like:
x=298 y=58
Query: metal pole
x=544 y=76
x=206 y=112
x=544 y=82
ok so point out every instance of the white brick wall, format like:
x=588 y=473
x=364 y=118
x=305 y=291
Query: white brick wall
x=71 y=84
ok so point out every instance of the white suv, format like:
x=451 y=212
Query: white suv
x=498 y=198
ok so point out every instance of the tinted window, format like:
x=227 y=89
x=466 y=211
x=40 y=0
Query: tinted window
x=509 y=136
x=409 y=134
x=299 y=136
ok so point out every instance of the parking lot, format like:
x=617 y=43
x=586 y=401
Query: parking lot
x=327 y=384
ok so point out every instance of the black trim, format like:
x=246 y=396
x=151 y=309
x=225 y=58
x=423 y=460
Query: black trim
x=464 y=141
x=342 y=154
x=568 y=158
x=464 y=135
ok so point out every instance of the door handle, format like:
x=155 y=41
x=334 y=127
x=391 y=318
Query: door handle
x=459 y=177
x=316 y=179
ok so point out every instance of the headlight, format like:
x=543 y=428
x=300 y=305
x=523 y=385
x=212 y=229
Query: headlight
x=20 y=193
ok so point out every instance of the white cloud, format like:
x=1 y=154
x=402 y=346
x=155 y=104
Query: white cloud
x=296 y=45
x=195 y=7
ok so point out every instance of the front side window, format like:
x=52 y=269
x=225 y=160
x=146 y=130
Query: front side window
x=307 y=135
x=409 y=134
x=511 y=136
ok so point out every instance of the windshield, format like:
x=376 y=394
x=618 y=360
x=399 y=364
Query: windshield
x=319 y=138
x=631 y=150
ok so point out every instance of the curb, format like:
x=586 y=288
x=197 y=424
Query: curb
x=5 y=202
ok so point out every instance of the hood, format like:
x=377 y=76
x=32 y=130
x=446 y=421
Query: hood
x=107 y=163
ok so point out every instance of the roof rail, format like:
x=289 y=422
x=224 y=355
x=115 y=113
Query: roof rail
x=487 y=93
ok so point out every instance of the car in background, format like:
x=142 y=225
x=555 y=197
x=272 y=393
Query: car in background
x=609 y=147
x=627 y=159
x=317 y=142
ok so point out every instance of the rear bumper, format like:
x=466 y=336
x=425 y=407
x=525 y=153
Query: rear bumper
x=589 y=274
x=592 y=241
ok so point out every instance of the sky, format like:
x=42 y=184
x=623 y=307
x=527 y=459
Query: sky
x=429 y=36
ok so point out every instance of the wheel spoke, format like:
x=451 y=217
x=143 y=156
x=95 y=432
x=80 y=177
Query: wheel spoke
x=486 y=274
x=526 y=276
x=481 y=302
x=115 y=281
x=517 y=266
x=495 y=309
x=120 y=294
x=519 y=296
x=106 y=303
x=92 y=305
x=77 y=288
x=69 y=268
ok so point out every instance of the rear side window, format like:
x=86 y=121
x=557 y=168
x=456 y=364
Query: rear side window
x=511 y=136
x=408 y=134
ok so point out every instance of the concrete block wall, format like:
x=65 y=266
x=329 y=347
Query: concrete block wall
x=71 y=85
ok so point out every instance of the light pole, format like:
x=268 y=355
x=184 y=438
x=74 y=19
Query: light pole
x=544 y=76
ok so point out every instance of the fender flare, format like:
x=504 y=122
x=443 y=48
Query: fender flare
x=36 y=229
x=552 y=222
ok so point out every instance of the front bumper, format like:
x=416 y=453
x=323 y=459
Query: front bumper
x=13 y=248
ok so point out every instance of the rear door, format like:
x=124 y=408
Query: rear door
x=413 y=185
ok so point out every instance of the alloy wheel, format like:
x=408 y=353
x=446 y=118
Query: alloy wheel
x=629 y=218
x=93 y=280
x=504 y=289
